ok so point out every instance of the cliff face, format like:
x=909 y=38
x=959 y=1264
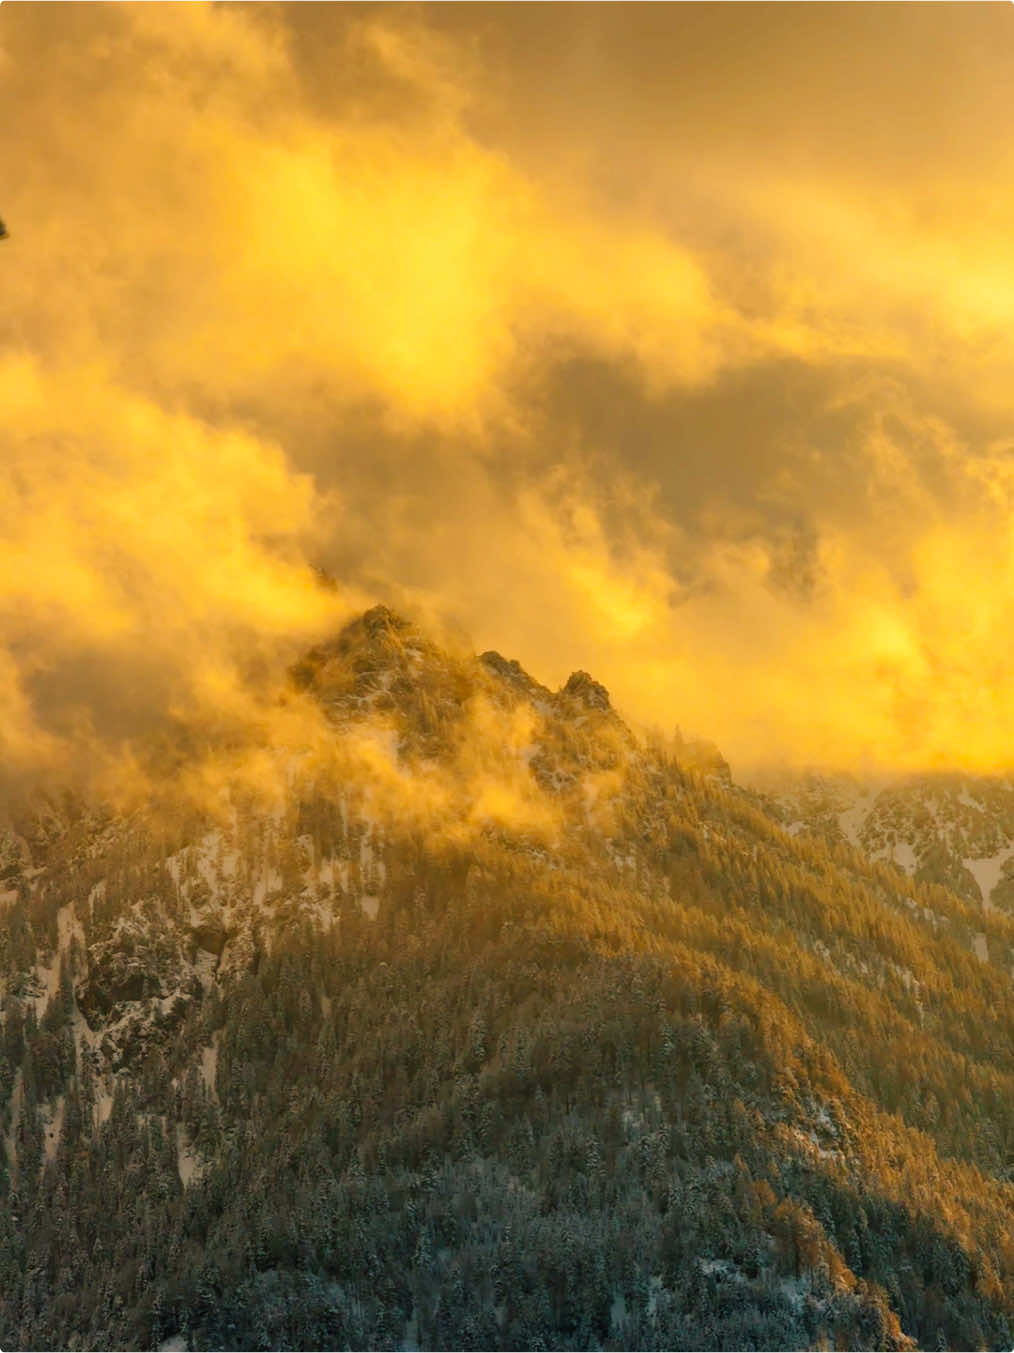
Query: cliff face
x=490 y=1026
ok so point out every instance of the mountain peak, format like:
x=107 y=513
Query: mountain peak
x=510 y=672
x=508 y=668
x=371 y=639
x=585 y=689
x=382 y=620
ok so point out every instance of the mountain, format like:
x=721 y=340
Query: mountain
x=953 y=829
x=462 y=1017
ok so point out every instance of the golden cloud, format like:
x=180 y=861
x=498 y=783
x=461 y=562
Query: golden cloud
x=248 y=324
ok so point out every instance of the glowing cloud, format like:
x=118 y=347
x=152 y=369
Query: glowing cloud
x=295 y=286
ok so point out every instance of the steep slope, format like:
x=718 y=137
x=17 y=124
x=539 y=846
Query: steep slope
x=494 y=1028
x=953 y=829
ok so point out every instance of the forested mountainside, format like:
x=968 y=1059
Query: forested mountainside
x=494 y=1028
x=953 y=829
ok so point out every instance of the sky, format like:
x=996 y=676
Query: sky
x=670 y=342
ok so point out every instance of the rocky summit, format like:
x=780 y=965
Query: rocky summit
x=475 y=1020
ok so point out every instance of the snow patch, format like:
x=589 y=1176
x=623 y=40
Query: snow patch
x=720 y=1268
x=209 y=1063
x=188 y=1164
x=269 y=882
x=67 y=927
x=987 y=871
x=852 y=819
x=794 y=1291
x=205 y=965
x=902 y=854
x=617 y=1311
x=103 y=1106
x=82 y=1034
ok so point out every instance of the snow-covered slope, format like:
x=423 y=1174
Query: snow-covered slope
x=953 y=829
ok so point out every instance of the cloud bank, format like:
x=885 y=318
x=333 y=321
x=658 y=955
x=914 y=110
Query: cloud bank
x=676 y=350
